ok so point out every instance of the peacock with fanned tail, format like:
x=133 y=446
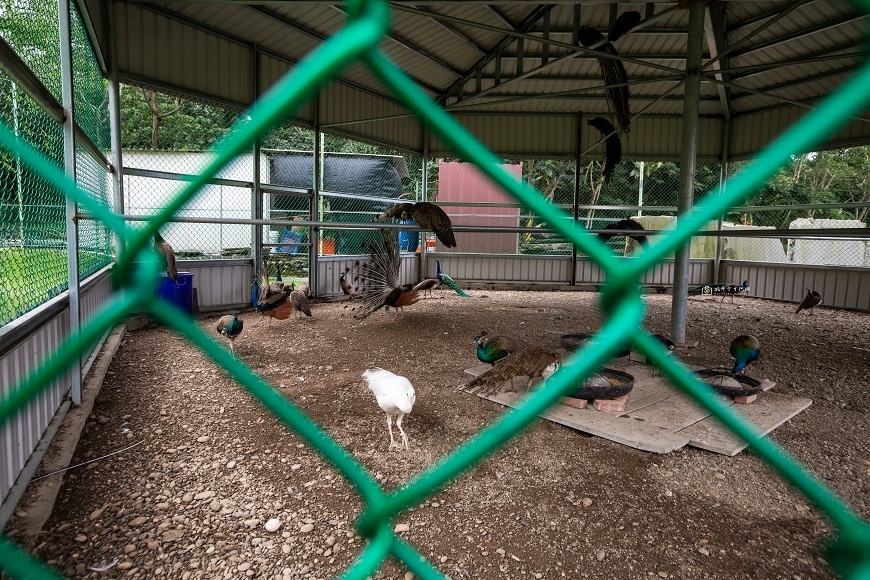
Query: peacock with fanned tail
x=444 y=279
x=380 y=278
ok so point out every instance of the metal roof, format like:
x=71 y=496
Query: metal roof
x=511 y=57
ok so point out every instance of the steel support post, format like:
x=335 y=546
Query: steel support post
x=256 y=191
x=425 y=193
x=69 y=163
x=575 y=211
x=723 y=177
x=314 y=208
x=691 y=99
x=115 y=120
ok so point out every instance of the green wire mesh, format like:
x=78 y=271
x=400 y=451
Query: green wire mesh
x=137 y=268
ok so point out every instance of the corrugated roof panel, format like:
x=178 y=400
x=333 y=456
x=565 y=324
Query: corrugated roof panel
x=518 y=135
x=179 y=55
x=341 y=104
x=272 y=69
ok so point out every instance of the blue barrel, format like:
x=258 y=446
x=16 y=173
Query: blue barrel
x=408 y=241
x=179 y=293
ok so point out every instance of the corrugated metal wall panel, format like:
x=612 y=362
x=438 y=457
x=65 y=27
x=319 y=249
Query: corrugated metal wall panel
x=341 y=103
x=20 y=435
x=220 y=285
x=329 y=269
x=841 y=287
x=177 y=54
x=272 y=69
x=526 y=134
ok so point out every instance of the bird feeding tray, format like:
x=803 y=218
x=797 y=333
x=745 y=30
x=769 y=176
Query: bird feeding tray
x=572 y=342
x=725 y=383
x=604 y=384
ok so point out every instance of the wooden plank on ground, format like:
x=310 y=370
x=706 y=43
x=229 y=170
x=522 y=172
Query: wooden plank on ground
x=674 y=413
x=767 y=413
x=622 y=430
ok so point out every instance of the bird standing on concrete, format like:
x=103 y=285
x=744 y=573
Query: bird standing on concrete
x=395 y=395
x=428 y=216
x=167 y=255
x=231 y=327
x=810 y=301
x=745 y=349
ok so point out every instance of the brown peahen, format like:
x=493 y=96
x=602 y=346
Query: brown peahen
x=167 y=255
x=428 y=216
x=531 y=362
x=810 y=301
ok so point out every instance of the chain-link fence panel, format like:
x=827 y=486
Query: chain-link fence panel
x=31 y=29
x=90 y=94
x=95 y=239
x=158 y=163
x=848 y=551
x=360 y=181
x=33 y=256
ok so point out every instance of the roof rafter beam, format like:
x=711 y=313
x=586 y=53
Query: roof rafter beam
x=583 y=50
x=802 y=81
x=801 y=34
x=452 y=30
x=493 y=52
x=714 y=30
x=513 y=98
x=501 y=16
x=742 y=72
x=782 y=14
x=759 y=18
x=804 y=104
x=404 y=43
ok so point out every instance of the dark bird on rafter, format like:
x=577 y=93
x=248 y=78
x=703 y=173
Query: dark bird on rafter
x=810 y=301
x=624 y=23
x=612 y=145
x=428 y=216
x=167 y=256
x=627 y=224
x=613 y=74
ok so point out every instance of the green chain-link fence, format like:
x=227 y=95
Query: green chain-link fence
x=138 y=267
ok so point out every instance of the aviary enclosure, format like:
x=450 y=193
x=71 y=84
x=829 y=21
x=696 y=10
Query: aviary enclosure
x=295 y=180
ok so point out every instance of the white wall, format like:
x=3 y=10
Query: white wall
x=148 y=195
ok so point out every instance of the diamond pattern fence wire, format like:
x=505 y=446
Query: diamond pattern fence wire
x=137 y=272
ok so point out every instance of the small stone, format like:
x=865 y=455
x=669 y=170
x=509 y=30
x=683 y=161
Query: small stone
x=97 y=513
x=500 y=551
x=409 y=575
x=538 y=576
x=669 y=493
x=252 y=523
x=273 y=525
x=125 y=565
x=306 y=528
x=81 y=538
x=231 y=464
x=204 y=495
x=587 y=501
x=330 y=541
x=244 y=566
x=286 y=548
x=600 y=555
x=129 y=548
x=296 y=466
x=704 y=551
x=172 y=535
x=401 y=528
x=719 y=475
x=663 y=574
x=203 y=439
x=443 y=559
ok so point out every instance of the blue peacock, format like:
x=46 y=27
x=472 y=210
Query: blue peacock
x=445 y=279
x=745 y=349
x=493 y=348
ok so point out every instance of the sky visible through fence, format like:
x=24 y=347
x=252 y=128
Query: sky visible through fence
x=138 y=267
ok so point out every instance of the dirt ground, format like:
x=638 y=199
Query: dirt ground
x=213 y=467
